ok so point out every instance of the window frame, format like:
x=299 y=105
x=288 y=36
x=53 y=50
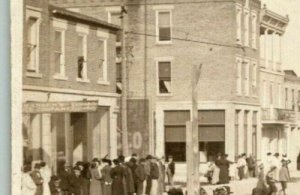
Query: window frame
x=104 y=36
x=238 y=15
x=239 y=82
x=254 y=29
x=83 y=30
x=157 y=26
x=158 y=60
x=61 y=26
x=246 y=65
x=32 y=12
x=246 y=15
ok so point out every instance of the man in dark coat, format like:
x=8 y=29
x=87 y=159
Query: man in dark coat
x=64 y=176
x=140 y=176
x=106 y=180
x=75 y=182
x=133 y=165
x=117 y=175
x=37 y=179
x=129 y=178
x=148 y=172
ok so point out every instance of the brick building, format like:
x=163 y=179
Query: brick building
x=69 y=86
x=164 y=40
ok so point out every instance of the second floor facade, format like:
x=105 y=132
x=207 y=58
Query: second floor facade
x=68 y=50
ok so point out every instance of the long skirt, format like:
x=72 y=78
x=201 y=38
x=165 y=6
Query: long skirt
x=154 y=189
x=106 y=189
x=215 y=176
x=95 y=187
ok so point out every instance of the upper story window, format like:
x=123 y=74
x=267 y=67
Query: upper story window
x=246 y=77
x=59 y=49
x=164 y=26
x=238 y=24
x=102 y=48
x=33 y=20
x=82 y=53
x=246 y=26
x=164 y=77
x=254 y=30
x=254 y=78
x=239 y=76
x=114 y=17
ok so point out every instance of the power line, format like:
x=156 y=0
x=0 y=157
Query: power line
x=189 y=40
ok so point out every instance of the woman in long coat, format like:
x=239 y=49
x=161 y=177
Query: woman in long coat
x=223 y=164
x=106 y=180
x=95 y=185
x=117 y=175
x=86 y=176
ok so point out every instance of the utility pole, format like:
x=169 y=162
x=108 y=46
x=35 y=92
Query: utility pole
x=192 y=139
x=124 y=87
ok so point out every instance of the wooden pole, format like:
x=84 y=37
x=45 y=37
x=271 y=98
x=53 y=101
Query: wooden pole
x=124 y=88
x=192 y=139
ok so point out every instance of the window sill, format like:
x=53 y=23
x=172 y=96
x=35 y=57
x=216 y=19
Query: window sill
x=83 y=80
x=60 y=77
x=103 y=82
x=34 y=74
x=165 y=94
x=164 y=43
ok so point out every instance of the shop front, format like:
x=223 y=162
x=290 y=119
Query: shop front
x=65 y=132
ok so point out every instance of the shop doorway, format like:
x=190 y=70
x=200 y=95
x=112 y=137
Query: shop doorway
x=79 y=129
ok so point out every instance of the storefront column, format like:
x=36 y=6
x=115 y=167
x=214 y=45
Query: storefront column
x=69 y=139
x=249 y=133
x=36 y=135
x=241 y=133
x=160 y=133
x=229 y=133
x=266 y=48
x=259 y=139
x=113 y=145
x=47 y=139
x=287 y=135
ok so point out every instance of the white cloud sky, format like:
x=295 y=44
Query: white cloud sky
x=291 y=47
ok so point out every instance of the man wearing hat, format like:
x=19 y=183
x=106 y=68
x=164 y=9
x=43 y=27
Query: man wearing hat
x=241 y=164
x=64 y=175
x=37 y=179
x=76 y=181
x=148 y=180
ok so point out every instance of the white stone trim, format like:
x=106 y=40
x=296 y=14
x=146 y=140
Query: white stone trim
x=60 y=23
x=73 y=9
x=68 y=91
x=34 y=8
x=103 y=33
x=81 y=28
x=163 y=7
x=110 y=10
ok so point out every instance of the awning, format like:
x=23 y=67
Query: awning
x=55 y=107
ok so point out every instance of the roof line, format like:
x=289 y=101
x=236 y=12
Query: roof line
x=62 y=11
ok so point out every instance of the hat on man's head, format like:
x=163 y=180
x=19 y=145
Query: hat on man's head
x=116 y=161
x=284 y=155
x=149 y=157
x=269 y=153
x=37 y=166
x=276 y=154
x=261 y=166
x=121 y=158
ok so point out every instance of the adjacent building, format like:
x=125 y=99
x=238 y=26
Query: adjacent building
x=70 y=104
x=164 y=41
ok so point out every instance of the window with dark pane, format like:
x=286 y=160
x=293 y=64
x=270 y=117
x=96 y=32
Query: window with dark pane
x=57 y=50
x=164 y=77
x=164 y=25
x=80 y=56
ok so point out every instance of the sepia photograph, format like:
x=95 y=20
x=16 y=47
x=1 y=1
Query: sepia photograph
x=155 y=97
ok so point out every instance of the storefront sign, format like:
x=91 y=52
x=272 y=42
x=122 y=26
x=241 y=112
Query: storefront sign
x=54 y=107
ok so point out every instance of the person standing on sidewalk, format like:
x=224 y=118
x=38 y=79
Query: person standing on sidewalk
x=284 y=176
x=148 y=181
x=241 y=164
x=170 y=171
x=140 y=176
x=224 y=165
x=261 y=186
x=271 y=181
x=251 y=165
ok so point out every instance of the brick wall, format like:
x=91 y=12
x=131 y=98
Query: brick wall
x=46 y=58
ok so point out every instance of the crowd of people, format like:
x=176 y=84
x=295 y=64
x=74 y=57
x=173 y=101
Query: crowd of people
x=120 y=176
x=273 y=170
